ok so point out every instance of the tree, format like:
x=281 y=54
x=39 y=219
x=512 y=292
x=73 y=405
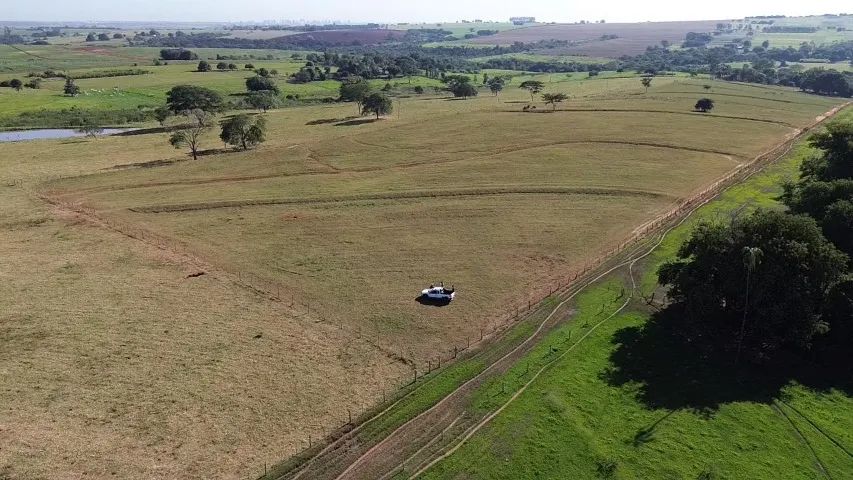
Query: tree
x=419 y=89
x=495 y=84
x=184 y=98
x=161 y=114
x=71 y=89
x=460 y=85
x=103 y=37
x=751 y=257
x=222 y=66
x=35 y=83
x=554 y=99
x=378 y=104
x=90 y=130
x=91 y=37
x=232 y=66
x=263 y=100
x=203 y=66
x=17 y=84
x=243 y=131
x=532 y=86
x=354 y=89
x=665 y=44
x=189 y=135
x=787 y=282
x=704 y=105
x=261 y=84
x=263 y=72
x=647 y=82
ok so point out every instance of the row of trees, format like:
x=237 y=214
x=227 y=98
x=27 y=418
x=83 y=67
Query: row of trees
x=776 y=283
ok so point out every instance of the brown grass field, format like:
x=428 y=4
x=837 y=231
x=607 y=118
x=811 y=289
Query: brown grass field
x=115 y=364
x=633 y=37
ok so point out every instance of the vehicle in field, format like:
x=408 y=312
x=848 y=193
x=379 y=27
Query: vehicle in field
x=439 y=293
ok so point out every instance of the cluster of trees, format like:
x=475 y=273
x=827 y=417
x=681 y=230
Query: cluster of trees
x=776 y=283
x=101 y=37
x=177 y=54
x=357 y=89
x=198 y=106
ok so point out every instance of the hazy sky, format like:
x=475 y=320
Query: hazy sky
x=406 y=10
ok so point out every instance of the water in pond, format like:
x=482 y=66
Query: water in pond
x=51 y=133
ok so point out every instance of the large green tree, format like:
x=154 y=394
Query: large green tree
x=532 y=86
x=782 y=261
x=377 y=104
x=825 y=188
x=261 y=84
x=354 y=89
x=243 y=131
x=186 y=98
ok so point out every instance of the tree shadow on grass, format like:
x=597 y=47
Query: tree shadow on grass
x=361 y=121
x=323 y=121
x=146 y=131
x=673 y=373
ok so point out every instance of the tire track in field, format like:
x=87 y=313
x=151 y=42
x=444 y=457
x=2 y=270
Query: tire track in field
x=716 y=94
x=668 y=112
x=802 y=438
x=404 y=195
x=333 y=170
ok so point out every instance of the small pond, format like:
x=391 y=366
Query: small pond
x=49 y=134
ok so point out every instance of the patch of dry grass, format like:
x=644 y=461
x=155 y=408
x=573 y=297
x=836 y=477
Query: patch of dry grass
x=114 y=361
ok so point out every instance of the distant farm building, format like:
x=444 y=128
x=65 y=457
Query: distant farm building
x=522 y=20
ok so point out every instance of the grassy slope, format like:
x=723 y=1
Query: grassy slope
x=571 y=419
x=334 y=249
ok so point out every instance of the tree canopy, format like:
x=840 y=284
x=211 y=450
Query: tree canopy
x=460 y=85
x=378 y=104
x=704 y=105
x=532 y=86
x=354 y=89
x=261 y=84
x=782 y=260
x=243 y=131
x=554 y=99
x=184 y=98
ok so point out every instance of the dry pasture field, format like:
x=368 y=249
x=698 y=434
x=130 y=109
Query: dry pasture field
x=117 y=363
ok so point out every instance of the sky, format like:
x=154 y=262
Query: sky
x=412 y=11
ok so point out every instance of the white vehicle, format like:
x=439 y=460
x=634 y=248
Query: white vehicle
x=439 y=293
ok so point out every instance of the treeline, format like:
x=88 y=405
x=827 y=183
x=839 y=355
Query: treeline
x=93 y=74
x=776 y=287
x=789 y=29
x=510 y=63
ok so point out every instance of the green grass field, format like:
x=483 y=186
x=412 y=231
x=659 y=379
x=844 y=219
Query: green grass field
x=575 y=417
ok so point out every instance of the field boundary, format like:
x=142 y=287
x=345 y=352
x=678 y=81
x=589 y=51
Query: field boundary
x=682 y=210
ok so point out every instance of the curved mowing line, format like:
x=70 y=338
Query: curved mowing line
x=336 y=170
x=669 y=112
x=187 y=207
x=739 y=96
